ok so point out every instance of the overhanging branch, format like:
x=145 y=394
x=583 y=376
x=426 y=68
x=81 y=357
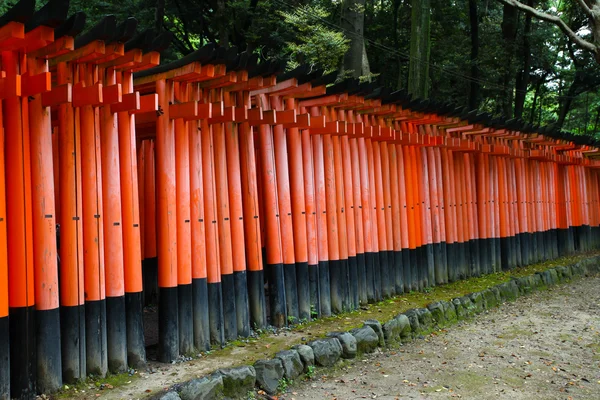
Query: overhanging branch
x=579 y=41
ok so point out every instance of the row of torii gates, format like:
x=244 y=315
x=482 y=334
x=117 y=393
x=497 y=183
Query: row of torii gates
x=247 y=196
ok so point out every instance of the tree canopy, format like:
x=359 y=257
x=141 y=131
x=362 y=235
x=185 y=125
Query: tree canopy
x=531 y=59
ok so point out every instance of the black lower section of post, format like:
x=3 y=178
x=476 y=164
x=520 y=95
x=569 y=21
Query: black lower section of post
x=377 y=267
x=353 y=282
x=437 y=264
x=4 y=359
x=215 y=313
x=72 y=326
x=291 y=292
x=386 y=277
x=168 y=324
x=277 y=300
x=398 y=272
x=240 y=283
x=150 y=280
x=345 y=283
x=22 y=353
x=200 y=314
x=429 y=265
x=49 y=367
x=303 y=284
x=421 y=267
x=370 y=276
x=406 y=269
x=256 y=299
x=324 y=289
x=313 y=278
x=335 y=282
x=116 y=336
x=95 y=338
x=136 y=348
x=229 y=312
x=186 y=319
x=361 y=266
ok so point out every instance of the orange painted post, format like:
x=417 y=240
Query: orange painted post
x=412 y=231
x=4 y=297
x=473 y=206
x=150 y=268
x=341 y=222
x=250 y=197
x=20 y=236
x=365 y=195
x=496 y=208
x=420 y=231
x=183 y=226
x=141 y=167
x=213 y=261
x=274 y=252
x=71 y=253
x=441 y=184
x=385 y=276
x=515 y=212
x=310 y=203
x=322 y=233
x=198 y=223
x=298 y=209
x=404 y=220
x=358 y=222
x=166 y=227
x=377 y=264
x=450 y=215
x=521 y=211
x=282 y=176
x=396 y=205
x=333 y=242
x=432 y=185
x=240 y=281
x=116 y=336
x=132 y=251
x=461 y=215
x=426 y=230
x=350 y=223
x=49 y=367
x=482 y=214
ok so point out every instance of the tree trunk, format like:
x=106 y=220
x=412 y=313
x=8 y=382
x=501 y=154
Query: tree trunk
x=522 y=81
x=510 y=24
x=159 y=15
x=352 y=21
x=475 y=89
x=222 y=21
x=418 y=70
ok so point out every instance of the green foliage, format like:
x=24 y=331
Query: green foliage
x=315 y=44
x=282 y=387
x=310 y=372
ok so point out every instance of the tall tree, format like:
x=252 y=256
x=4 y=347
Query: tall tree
x=420 y=32
x=475 y=89
x=522 y=81
x=353 y=23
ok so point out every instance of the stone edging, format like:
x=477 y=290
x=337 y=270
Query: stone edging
x=236 y=382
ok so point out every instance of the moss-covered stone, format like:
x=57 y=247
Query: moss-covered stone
x=413 y=318
x=449 y=311
x=437 y=312
x=489 y=299
x=477 y=301
x=238 y=381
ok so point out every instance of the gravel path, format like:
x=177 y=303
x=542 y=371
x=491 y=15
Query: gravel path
x=544 y=346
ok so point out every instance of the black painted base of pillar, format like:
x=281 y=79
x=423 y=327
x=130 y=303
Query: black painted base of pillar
x=345 y=283
x=335 y=282
x=4 y=359
x=186 y=319
x=95 y=338
x=370 y=276
x=256 y=299
x=313 y=283
x=387 y=277
x=116 y=336
x=361 y=267
x=429 y=265
x=277 y=300
x=324 y=289
x=200 y=314
x=398 y=272
x=406 y=269
x=168 y=324
x=22 y=353
x=215 y=313
x=353 y=282
x=150 y=280
x=136 y=347
x=303 y=284
x=72 y=325
x=377 y=283
x=229 y=313
x=49 y=367
x=240 y=283
x=291 y=292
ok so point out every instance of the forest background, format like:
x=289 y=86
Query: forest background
x=536 y=60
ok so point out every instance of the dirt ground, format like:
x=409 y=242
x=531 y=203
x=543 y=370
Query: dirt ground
x=544 y=346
